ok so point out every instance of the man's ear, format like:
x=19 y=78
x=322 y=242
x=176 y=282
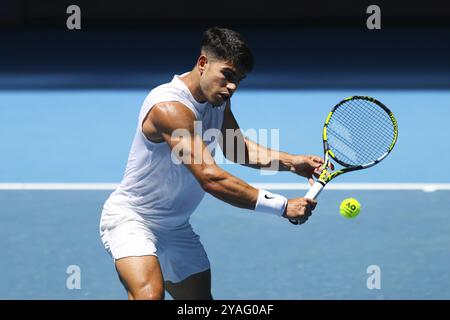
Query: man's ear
x=201 y=63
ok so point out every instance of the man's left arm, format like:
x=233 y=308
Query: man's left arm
x=244 y=151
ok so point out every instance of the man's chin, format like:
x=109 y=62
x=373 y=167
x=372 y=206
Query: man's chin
x=217 y=103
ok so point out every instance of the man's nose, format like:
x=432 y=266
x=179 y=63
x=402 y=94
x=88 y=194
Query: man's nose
x=231 y=86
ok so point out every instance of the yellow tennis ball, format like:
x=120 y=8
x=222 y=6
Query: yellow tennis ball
x=350 y=208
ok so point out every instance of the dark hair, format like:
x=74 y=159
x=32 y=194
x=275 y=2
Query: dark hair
x=228 y=45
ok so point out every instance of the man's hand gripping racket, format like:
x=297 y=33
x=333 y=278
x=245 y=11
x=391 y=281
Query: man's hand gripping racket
x=358 y=133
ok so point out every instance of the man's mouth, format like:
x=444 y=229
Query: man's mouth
x=224 y=96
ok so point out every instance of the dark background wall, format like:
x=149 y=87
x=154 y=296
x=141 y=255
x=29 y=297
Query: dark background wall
x=297 y=44
x=29 y=13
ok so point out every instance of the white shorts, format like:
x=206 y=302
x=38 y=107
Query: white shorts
x=179 y=250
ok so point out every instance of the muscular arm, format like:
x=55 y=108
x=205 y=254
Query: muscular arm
x=244 y=151
x=165 y=119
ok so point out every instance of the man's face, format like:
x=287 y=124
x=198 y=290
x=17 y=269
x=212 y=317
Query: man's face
x=219 y=80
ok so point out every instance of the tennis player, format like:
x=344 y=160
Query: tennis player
x=145 y=221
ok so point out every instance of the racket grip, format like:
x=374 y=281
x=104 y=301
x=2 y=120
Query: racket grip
x=312 y=193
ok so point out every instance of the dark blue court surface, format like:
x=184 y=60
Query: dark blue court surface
x=253 y=255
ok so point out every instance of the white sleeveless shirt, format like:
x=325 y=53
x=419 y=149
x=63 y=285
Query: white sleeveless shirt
x=155 y=188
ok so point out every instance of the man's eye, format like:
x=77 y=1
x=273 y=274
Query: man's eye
x=229 y=77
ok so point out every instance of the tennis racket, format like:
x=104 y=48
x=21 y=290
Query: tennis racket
x=358 y=133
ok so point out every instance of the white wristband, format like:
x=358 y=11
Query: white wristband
x=271 y=203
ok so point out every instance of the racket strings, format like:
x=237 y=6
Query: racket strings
x=359 y=132
x=350 y=144
x=381 y=119
x=371 y=118
x=347 y=133
x=349 y=153
x=378 y=114
x=381 y=116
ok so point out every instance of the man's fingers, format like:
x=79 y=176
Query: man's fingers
x=302 y=220
x=312 y=203
x=317 y=159
x=314 y=164
x=311 y=181
x=317 y=162
x=308 y=212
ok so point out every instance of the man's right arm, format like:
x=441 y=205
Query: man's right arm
x=168 y=117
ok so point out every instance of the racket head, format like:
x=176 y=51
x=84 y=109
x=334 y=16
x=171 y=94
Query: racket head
x=359 y=132
x=372 y=124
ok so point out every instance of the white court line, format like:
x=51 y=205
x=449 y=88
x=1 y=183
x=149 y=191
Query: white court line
x=427 y=187
x=58 y=186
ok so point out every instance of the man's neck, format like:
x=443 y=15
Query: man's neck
x=192 y=81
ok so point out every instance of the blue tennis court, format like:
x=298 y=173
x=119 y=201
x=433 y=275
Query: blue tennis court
x=81 y=138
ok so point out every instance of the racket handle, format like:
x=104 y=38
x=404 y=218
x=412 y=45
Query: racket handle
x=312 y=193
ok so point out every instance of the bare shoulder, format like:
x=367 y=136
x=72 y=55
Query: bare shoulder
x=171 y=111
x=164 y=117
